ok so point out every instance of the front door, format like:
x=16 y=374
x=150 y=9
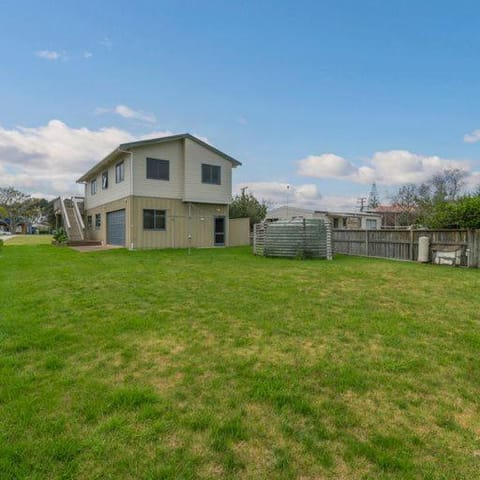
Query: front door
x=219 y=231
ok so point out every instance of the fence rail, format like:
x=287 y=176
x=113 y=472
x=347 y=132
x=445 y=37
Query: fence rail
x=403 y=244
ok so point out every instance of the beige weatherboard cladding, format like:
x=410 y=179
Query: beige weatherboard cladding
x=190 y=205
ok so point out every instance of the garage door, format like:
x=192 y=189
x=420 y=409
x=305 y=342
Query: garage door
x=116 y=227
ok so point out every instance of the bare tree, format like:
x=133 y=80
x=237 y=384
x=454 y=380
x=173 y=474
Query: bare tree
x=406 y=199
x=448 y=184
x=15 y=204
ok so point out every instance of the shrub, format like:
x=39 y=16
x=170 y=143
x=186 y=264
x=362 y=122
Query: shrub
x=1 y=243
x=60 y=235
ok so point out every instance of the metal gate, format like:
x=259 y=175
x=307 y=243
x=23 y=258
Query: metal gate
x=116 y=227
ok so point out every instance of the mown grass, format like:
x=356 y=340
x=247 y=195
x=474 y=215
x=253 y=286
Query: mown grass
x=161 y=365
x=27 y=239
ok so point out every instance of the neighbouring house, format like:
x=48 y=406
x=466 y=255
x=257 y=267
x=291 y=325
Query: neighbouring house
x=339 y=220
x=286 y=212
x=165 y=192
x=22 y=227
x=391 y=215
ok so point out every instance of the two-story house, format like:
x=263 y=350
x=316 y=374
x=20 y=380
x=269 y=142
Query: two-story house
x=166 y=192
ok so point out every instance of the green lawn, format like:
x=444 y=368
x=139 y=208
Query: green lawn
x=160 y=365
x=27 y=239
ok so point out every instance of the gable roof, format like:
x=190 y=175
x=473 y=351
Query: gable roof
x=123 y=147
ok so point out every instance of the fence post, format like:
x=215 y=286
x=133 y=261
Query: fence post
x=410 y=256
x=367 y=253
x=473 y=248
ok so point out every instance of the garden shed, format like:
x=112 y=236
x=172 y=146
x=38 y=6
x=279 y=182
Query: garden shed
x=296 y=238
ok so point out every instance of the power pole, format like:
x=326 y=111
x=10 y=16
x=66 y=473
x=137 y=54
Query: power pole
x=361 y=201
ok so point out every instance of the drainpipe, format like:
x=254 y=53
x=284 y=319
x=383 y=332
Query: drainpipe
x=130 y=216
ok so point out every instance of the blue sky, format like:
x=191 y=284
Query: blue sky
x=324 y=96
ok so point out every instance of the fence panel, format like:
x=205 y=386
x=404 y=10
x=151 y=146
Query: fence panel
x=403 y=244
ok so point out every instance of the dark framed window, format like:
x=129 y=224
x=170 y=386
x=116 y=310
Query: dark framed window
x=210 y=174
x=155 y=219
x=93 y=186
x=98 y=221
x=105 y=180
x=89 y=221
x=158 y=169
x=119 y=172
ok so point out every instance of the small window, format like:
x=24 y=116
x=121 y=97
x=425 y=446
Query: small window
x=158 y=169
x=371 y=224
x=105 y=180
x=98 y=221
x=154 y=219
x=93 y=187
x=119 y=172
x=89 y=221
x=335 y=223
x=210 y=174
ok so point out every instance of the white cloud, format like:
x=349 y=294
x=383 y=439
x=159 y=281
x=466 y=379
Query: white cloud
x=389 y=168
x=48 y=159
x=127 y=112
x=279 y=193
x=106 y=42
x=87 y=54
x=242 y=120
x=327 y=165
x=49 y=54
x=302 y=195
x=472 y=137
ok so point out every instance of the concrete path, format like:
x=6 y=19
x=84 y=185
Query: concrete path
x=8 y=237
x=94 y=248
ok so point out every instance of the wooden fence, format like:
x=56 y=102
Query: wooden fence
x=403 y=244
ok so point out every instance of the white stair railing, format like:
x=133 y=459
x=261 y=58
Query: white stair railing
x=64 y=213
x=78 y=216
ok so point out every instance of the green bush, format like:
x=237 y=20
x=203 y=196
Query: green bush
x=1 y=243
x=60 y=235
x=463 y=213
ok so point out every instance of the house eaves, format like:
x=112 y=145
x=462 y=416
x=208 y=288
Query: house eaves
x=124 y=147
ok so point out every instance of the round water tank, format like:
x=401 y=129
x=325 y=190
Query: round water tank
x=423 y=249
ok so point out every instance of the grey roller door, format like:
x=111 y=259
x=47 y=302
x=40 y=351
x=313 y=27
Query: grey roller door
x=116 y=228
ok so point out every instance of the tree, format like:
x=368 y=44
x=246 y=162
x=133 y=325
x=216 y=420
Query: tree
x=373 y=198
x=406 y=199
x=15 y=203
x=419 y=204
x=247 y=206
x=448 y=184
x=462 y=213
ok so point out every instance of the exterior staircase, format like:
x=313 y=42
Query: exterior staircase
x=70 y=210
x=75 y=227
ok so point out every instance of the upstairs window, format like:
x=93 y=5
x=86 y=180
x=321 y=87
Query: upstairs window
x=210 y=174
x=154 y=219
x=93 y=187
x=98 y=221
x=158 y=169
x=105 y=180
x=119 y=172
x=89 y=222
